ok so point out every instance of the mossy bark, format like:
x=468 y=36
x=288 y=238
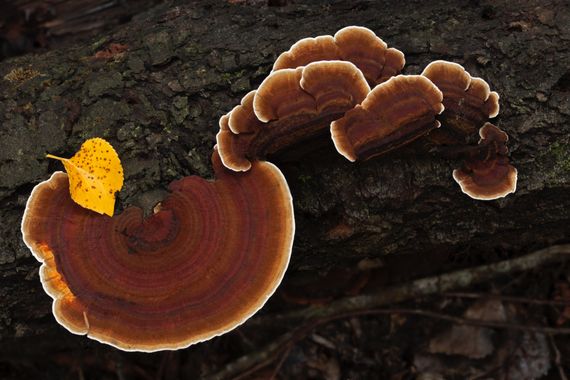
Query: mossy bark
x=158 y=103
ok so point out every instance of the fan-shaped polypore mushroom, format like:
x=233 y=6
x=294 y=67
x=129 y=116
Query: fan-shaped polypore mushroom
x=290 y=106
x=204 y=262
x=393 y=114
x=233 y=144
x=486 y=173
x=355 y=44
x=468 y=102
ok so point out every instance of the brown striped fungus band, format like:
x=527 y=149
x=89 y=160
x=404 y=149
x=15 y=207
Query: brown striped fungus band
x=354 y=44
x=311 y=84
x=393 y=114
x=204 y=262
x=486 y=173
x=290 y=107
x=469 y=102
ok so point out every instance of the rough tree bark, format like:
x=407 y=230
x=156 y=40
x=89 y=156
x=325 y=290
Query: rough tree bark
x=186 y=65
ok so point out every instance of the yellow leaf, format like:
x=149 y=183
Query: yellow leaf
x=95 y=174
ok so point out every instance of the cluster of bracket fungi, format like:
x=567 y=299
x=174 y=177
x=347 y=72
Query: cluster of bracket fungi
x=209 y=258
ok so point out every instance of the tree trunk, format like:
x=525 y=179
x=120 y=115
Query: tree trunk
x=159 y=103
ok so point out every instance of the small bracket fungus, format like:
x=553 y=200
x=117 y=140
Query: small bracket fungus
x=290 y=106
x=207 y=259
x=468 y=102
x=355 y=44
x=486 y=174
x=395 y=113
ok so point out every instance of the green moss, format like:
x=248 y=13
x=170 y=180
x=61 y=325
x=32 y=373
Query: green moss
x=100 y=42
x=191 y=50
x=103 y=83
x=179 y=109
x=238 y=81
x=159 y=47
x=227 y=77
x=560 y=151
x=553 y=165
x=241 y=85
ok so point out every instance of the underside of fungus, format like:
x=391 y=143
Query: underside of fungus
x=204 y=262
x=468 y=102
x=355 y=44
x=393 y=114
x=486 y=173
x=290 y=106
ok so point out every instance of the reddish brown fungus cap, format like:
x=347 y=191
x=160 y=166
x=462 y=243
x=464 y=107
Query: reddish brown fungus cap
x=290 y=106
x=394 y=113
x=232 y=149
x=242 y=119
x=468 y=101
x=355 y=44
x=205 y=261
x=488 y=175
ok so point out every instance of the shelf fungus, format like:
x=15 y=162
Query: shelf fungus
x=355 y=44
x=204 y=262
x=290 y=107
x=395 y=113
x=468 y=102
x=486 y=173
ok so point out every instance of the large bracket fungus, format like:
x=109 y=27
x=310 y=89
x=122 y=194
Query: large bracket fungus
x=486 y=173
x=204 y=262
x=312 y=84
x=395 y=113
x=354 y=44
x=290 y=106
x=294 y=104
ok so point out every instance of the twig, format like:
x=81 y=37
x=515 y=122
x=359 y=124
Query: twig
x=119 y=368
x=487 y=373
x=245 y=339
x=281 y=361
x=427 y=286
x=507 y=298
x=476 y=322
x=250 y=363
x=80 y=373
x=369 y=304
x=557 y=358
x=272 y=350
